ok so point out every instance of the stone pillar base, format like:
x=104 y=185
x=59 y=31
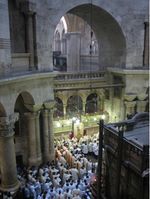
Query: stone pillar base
x=46 y=159
x=51 y=157
x=10 y=188
x=35 y=161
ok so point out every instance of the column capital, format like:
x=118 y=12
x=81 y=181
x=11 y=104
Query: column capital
x=130 y=104
x=142 y=97
x=36 y=107
x=7 y=125
x=49 y=105
x=129 y=97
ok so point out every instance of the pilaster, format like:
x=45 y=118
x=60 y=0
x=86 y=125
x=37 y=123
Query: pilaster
x=28 y=8
x=5 y=49
x=73 y=51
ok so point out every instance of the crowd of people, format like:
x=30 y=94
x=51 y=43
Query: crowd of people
x=69 y=176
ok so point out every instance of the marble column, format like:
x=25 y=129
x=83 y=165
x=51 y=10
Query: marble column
x=73 y=51
x=8 y=168
x=45 y=124
x=5 y=49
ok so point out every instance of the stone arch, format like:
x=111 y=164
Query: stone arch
x=25 y=101
x=24 y=104
x=2 y=111
x=111 y=39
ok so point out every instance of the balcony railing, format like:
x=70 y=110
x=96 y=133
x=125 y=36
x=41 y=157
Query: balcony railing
x=80 y=75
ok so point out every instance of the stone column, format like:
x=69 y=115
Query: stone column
x=141 y=106
x=28 y=9
x=63 y=46
x=51 y=135
x=32 y=155
x=50 y=107
x=46 y=135
x=73 y=51
x=8 y=168
x=34 y=140
x=129 y=103
x=5 y=49
x=84 y=104
x=64 y=109
x=38 y=137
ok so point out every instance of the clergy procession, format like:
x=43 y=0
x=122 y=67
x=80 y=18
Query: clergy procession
x=69 y=176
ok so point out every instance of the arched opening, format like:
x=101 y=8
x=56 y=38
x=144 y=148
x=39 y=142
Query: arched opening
x=105 y=48
x=58 y=111
x=24 y=103
x=91 y=103
x=74 y=106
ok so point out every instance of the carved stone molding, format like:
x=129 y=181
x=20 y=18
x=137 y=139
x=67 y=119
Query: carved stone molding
x=142 y=97
x=130 y=104
x=7 y=125
x=129 y=97
x=36 y=107
x=49 y=105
